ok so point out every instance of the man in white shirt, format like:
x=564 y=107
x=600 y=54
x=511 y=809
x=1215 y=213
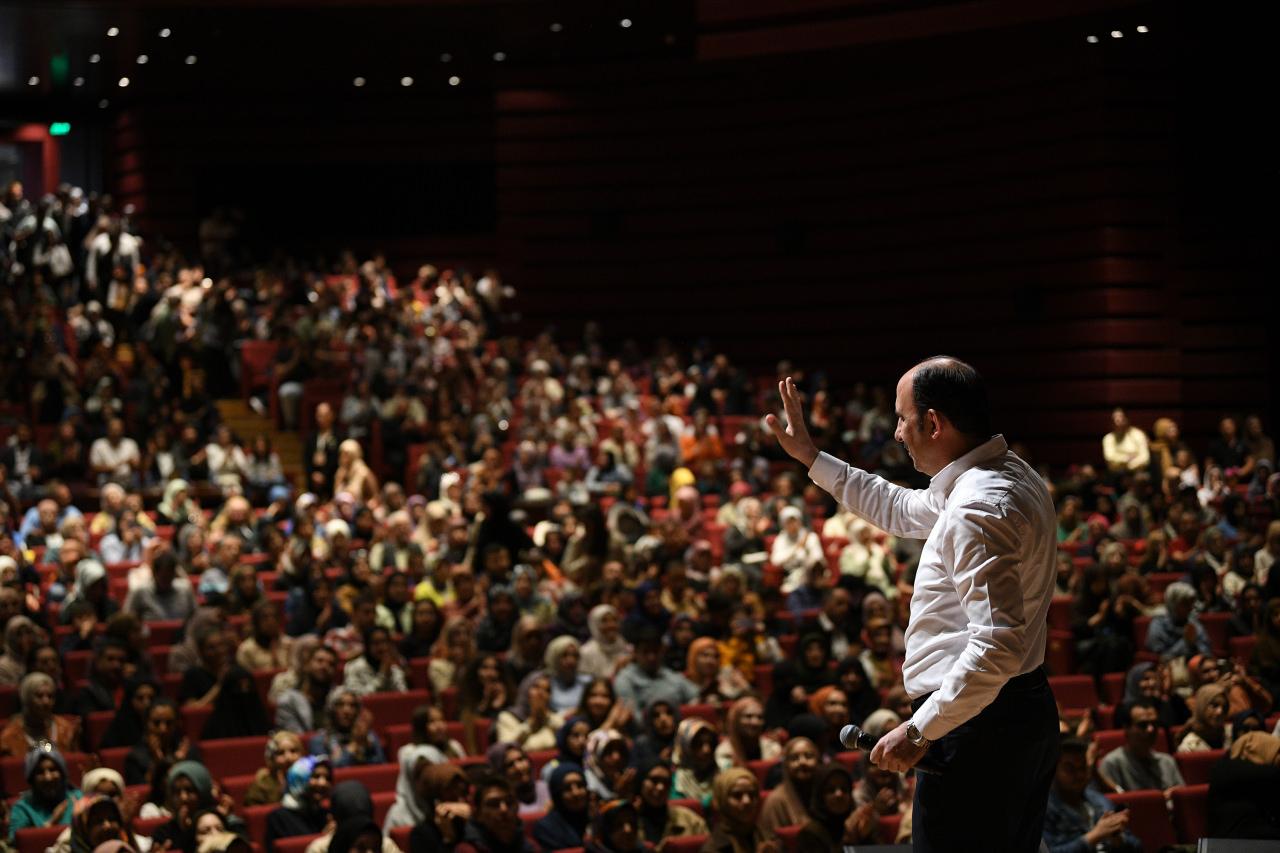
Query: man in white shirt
x=114 y=458
x=982 y=707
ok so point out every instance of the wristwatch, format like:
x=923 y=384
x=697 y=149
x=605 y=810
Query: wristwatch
x=913 y=735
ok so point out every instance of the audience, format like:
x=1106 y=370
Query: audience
x=566 y=545
x=1079 y=818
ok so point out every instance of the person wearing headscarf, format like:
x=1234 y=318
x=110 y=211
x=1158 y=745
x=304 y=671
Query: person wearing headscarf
x=1244 y=788
x=302 y=810
x=130 y=721
x=562 y=660
x=812 y=672
x=99 y=782
x=659 y=817
x=788 y=804
x=744 y=740
x=694 y=757
x=21 y=635
x=530 y=722
x=91 y=587
x=377 y=669
x=607 y=755
x=830 y=805
x=658 y=737
x=565 y=825
x=293 y=677
x=358 y=833
x=571 y=617
x=188 y=792
x=410 y=807
x=606 y=652
x=283 y=748
x=349 y=738
x=493 y=634
x=176 y=508
x=238 y=711
x=528 y=649
x=829 y=705
x=511 y=762
x=524 y=584
x=1266 y=653
x=36 y=723
x=186 y=656
x=1166 y=635
x=787 y=698
x=350 y=805
x=571 y=745
x=50 y=799
x=705 y=671
x=681 y=632
x=97 y=820
x=1207 y=728
x=444 y=798
x=863 y=699
x=1143 y=682
x=267 y=646
x=647 y=613
x=616 y=829
x=736 y=799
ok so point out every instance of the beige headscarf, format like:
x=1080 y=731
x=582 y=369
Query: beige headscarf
x=1256 y=747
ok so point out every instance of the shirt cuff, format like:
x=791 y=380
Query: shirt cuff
x=826 y=470
x=928 y=721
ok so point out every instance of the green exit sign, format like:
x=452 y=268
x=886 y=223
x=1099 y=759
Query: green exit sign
x=60 y=128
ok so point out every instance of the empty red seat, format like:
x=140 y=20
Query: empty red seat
x=390 y=709
x=1074 y=691
x=193 y=719
x=382 y=802
x=96 y=726
x=418 y=673
x=789 y=836
x=1190 y=812
x=889 y=824
x=75 y=665
x=1113 y=687
x=1060 y=652
x=114 y=757
x=701 y=710
x=1215 y=625
x=1148 y=817
x=400 y=835
x=1060 y=612
x=764 y=679
x=1242 y=647
x=376 y=777
x=1195 y=766
x=233 y=756
x=237 y=786
x=163 y=632
x=255 y=817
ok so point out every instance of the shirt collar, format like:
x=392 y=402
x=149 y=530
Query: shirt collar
x=945 y=480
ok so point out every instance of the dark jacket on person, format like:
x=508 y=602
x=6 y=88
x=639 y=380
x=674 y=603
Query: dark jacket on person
x=1244 y=800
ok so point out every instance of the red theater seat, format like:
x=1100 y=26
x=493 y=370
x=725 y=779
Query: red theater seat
x=294 y=844
x=96 y=726
x=1060 y=612
x=1148 y=817
x=147 y=825
x=163 y=632
x=37 y=839
x=701 y=710
x=789 y=836
x=237 y=786
x=1195 y=766
x=376 y=777
x=382 y=802
x=114 y=757
x=389 y=709
x=400 y=835
x=256 y=819
x=1190 y=812
x=1242 y=647
x=193 y=719
x=761 y=768
x=684 y=844
x=233 y=756
x=1074 y=691
x=889 y=827
x=1113 y=687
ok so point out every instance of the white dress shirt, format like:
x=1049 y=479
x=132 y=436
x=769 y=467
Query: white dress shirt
x=981 y=601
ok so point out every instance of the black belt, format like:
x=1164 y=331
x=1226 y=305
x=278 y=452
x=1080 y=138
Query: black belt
x=1019 y=682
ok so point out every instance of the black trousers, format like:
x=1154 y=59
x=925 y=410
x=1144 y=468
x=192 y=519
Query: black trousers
x=998 y=766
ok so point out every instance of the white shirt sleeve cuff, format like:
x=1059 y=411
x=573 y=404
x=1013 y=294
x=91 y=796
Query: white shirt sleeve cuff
x=928 y=722
x=826 y=471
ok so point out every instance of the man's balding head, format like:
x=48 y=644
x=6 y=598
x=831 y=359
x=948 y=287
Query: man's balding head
x=941 y=405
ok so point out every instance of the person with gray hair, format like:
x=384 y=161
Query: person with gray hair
x=1177 y=633
x=36 y=723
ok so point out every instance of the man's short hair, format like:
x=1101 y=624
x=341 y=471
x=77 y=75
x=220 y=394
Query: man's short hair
x=1125 y=711
x=488 y=782
x=1073 y=746
x=648 y=636
x=954 y=389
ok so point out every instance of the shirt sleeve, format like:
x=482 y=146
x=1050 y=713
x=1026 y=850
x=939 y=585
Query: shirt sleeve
x=983 y=545
x=902 y=512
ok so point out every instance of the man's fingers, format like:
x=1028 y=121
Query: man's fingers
x=775 y=426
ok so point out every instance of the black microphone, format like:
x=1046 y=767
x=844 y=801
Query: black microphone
x=855 y=738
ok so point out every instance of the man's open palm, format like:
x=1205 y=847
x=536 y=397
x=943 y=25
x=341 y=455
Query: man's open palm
x=795 y=437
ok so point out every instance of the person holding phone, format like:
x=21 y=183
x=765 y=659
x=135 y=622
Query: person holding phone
x=1079 y=819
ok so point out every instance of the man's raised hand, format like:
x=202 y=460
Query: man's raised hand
x=794 y=439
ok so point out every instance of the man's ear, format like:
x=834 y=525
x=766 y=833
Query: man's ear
x=934 y=422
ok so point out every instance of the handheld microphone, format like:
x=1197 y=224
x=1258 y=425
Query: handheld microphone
x=855 y=738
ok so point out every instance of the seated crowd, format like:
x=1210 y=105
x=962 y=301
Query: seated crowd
x=528 y=595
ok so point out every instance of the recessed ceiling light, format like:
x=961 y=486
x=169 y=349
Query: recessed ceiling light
x=102 y=105
x=358 y=82
x=95 y=58
x=557 y=27
x=113 y=32
x=625 y=23
x=454 y=81
x=143 y=58
x=406 y=81
x=165 y=33
x=1142 y=29
x=124 y=82
x=499 y=56
x=446 y=57
x=191 y=60
x=79 y=81
x=1116 y=34
x=1091 y=39
x=33 y=81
